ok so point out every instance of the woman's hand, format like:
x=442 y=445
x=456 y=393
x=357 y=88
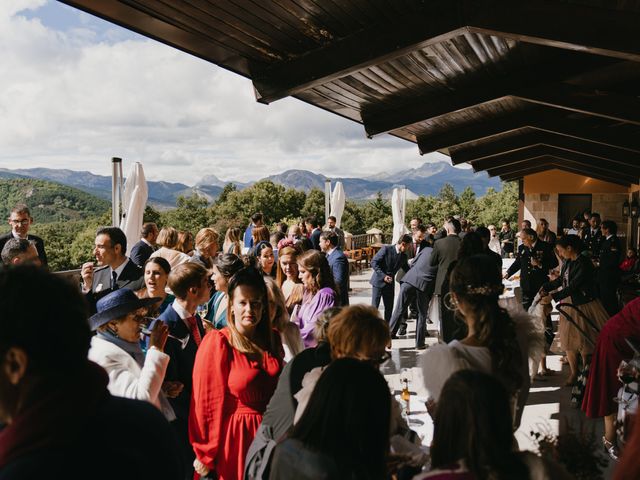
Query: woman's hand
x=159 y=335
x=172 y=389
x=200 y=468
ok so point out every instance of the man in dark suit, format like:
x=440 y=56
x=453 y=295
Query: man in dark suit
x=417 y=283
x=386 y=264
x=189 y=283
x=20 y=220
x=592 y=235
x=315 y=232
x=115 y=270
x=485 y=235
x=534 y=259
x=609 y=273
x=338 y=263
x=142 y=250
x=445 y=251
x=419 y=233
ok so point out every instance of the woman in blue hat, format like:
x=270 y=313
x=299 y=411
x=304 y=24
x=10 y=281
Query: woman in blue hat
x=116 y=348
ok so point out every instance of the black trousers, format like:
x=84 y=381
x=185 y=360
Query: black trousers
x=608 y=293
x=385 y=293
x=407 y=293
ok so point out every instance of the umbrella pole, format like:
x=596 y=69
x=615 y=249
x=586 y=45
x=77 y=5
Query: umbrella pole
x=327 y=199
x=116 y=174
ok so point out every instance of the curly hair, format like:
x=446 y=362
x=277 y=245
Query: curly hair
x=476 y=282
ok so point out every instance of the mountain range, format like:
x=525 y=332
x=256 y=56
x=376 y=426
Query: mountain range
x=427 y=179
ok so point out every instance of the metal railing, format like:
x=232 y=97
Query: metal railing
x=367 y=239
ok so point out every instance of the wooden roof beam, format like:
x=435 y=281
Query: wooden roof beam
x=515 y=175
x=599 y=31
x=376 y=44
x=586 y=164
x=497 y=146
x=542 y=119
x=613 y=106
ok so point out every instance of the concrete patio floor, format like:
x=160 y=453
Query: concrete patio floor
x=548 y=407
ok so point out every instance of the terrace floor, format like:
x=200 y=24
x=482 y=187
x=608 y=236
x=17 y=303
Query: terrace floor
x=548 y=406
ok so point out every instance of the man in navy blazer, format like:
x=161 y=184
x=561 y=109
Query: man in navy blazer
x=419 y=282
x=315 y=232
x=189 y=283
x=115 y=271
x=386 y=263
x=142 y=250
x=338 y=263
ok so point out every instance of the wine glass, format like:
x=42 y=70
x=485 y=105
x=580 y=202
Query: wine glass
x=202 y=310
x=146 y=331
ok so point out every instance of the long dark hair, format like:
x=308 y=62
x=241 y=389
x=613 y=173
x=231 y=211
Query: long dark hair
x=472 y=423
x=348 y=418
x=471 y=244
x=317 y=264
x=477 y=283
x=265 y=335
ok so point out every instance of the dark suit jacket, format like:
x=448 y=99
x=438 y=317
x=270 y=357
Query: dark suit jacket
x=581 y=281
x=140 y=253
x=35 y=239
x=340 y=269
x=610 y=257
x=445 y=251
x=132 y=277
x=315 y=238
x=180 y=368
x=592 y=242
x=422 y=274
x=532 y=278
x=387 y=262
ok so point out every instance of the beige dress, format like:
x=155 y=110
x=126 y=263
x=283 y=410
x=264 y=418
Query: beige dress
x=573 y=339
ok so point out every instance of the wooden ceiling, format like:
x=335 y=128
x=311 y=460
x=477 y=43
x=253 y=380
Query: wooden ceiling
x=512 y=87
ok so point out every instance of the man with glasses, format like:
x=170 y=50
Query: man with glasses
x=115 y=270
x=20 y=221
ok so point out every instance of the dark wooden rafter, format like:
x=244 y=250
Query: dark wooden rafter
x=544 y=119
x=497 y=146
x=543 y=165
x=566 y=160
x=605 y=33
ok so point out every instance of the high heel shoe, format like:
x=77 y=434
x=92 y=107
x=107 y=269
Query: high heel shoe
x=611 y=449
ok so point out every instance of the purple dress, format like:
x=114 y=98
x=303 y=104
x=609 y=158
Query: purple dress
x=307 y=314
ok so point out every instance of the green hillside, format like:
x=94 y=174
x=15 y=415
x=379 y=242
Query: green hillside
x=49 y=202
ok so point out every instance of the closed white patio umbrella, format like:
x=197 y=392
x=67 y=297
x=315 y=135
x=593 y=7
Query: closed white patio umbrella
x=397 y=210
x=338 y=200
x=134 y=201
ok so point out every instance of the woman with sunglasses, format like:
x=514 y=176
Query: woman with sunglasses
x=119 y=322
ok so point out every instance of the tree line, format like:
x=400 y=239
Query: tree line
x=70 y=243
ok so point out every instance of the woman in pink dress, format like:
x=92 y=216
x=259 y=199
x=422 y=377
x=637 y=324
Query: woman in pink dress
x=235 y=374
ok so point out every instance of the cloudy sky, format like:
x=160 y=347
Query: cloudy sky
x=76 y=91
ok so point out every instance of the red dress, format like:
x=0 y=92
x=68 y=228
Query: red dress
x=611 y=349
x=230 y=395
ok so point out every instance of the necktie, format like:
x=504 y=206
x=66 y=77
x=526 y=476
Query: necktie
x=114 y=277
x=195 y=331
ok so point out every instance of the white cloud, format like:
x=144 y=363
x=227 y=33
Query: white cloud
x=73 y=98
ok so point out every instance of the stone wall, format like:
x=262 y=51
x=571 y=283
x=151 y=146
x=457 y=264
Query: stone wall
x=541 y=205
x=609 y=206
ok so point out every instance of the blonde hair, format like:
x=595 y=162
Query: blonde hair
x=282 y=252
x=233 y=237
x=205 y=238
x=168 y=237
x=358 y=331
x=276 y=298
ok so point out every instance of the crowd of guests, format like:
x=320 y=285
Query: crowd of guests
x=247 y=361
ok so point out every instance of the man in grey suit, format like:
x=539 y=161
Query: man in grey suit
x=417 y=283
x=115 y=270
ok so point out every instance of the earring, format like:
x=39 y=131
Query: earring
x=450 y=302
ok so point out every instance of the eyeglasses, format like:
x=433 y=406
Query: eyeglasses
x=23 y=222
x=385 y=356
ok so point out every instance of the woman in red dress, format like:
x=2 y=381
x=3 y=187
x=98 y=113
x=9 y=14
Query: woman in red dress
x=603 y=383
x=235 y=373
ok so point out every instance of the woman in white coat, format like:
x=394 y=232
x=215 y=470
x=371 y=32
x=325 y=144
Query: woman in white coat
x=116 y=348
